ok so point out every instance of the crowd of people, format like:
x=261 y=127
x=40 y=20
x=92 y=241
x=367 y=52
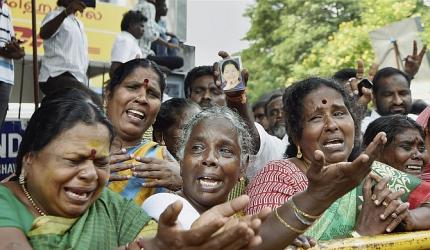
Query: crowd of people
x=307 y=163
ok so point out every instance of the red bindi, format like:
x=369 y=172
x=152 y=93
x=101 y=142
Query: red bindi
x=145 y=83
x=93 y=154
x=324 y=101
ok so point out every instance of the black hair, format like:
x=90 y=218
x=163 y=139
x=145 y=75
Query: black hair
x=232 y=62
x=59 y=112
x=132 y=17
x=418 y=106
x=259 y=104
x=345 y=74
x=193 y=75
x=127 y=68
x=293 y=99
x=169 y=112
x=387 y=72
x=392 y=125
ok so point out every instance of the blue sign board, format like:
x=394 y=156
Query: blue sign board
x=10 y=138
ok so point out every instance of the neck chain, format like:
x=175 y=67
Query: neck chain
x=306 y=163
x=27 y=194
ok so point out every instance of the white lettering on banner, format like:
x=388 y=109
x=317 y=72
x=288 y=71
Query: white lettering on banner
x=8 y=168
x=3 y=146
x=7 y=143
x=12 y=153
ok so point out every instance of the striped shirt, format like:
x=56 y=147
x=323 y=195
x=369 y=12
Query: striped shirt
x=6 y=34
x=274 y=185
x=66 y=50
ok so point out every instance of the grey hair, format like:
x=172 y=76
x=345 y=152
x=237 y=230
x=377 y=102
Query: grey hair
x=244 y=138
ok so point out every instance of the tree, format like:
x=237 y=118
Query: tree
x=294 y=39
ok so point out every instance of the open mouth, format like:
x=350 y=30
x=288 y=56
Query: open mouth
x=135 y=115
x=414 y=168
x=78 y=195
x=209 y=183
x=333 y=144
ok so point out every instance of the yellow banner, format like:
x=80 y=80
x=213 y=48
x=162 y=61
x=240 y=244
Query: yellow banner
x=102 y=24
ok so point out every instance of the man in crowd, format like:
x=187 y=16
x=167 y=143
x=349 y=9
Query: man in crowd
x=199 y=86
x=275 y=115
x=66 y=48
x=152 y=34
x=10 y=49
x=391 y=95
x=260 y=114
x=126 y=46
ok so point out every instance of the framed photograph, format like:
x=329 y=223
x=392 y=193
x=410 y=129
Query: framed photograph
x=231 y=77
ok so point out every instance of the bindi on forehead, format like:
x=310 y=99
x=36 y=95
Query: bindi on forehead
x=93 y=153
x=324 y=101
x=145 y=83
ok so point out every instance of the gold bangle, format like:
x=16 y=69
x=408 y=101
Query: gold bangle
x=286 y=224
x=314 y=217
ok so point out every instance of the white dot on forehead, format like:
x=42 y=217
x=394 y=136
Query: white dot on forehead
x=324 y=101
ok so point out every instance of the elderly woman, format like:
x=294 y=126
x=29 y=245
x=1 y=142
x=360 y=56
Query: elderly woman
x=134 y=97
x=319 y=117
x=60 y=200
x=213 y=153
x=405 y=150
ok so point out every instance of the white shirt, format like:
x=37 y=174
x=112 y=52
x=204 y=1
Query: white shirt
x=373 y=116
x=6 y=34
x=125 y=48
x=151 y=31
x=155 y=204
x=66 y=50
x=271 y=148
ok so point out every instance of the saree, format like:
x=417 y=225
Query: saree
x=338 y=221
x=110 y=222
x=132 y=188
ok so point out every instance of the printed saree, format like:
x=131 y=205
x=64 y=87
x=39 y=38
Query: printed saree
x=132 y=188
x=110 y=222
x=338 y=221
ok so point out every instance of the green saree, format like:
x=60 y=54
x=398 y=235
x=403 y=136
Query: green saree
x=110 y=222
x=338 y=221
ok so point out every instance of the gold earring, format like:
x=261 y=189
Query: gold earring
x=299 y=153
x=21 y=179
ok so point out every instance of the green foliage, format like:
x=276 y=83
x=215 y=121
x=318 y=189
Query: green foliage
x=292 y=39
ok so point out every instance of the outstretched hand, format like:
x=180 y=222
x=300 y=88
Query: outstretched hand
x=328 y=183
x=206 y=236
x=413 y=62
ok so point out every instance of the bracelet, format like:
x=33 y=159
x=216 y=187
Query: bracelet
x=355 y=234
x=314 y=217
x=303 y=219
x=286 y=224
x=237 y=99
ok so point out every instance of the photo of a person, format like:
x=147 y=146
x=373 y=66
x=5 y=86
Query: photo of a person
x=230 y=74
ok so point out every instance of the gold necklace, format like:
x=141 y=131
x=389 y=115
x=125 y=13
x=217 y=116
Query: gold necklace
x=306 y=163
x=27 y=194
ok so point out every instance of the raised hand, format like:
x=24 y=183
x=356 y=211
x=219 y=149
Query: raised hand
x=159 y=172
x=352 y=84
x=217 y=73
x=119 y=162
x=413 y=62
